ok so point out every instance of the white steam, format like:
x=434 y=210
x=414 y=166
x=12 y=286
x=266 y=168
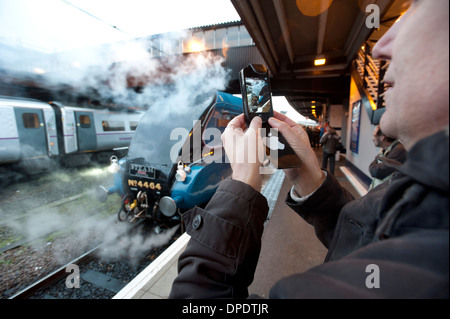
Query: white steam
x=129 y=74
x=124 y=75
x=73 y=233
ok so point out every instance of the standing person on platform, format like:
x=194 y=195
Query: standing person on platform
x=391 y=243
x=329 y=141
x=392 y=152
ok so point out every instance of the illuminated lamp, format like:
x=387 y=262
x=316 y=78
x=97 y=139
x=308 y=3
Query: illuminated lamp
x=195 y=46
x=39 y=71
x=318 y=62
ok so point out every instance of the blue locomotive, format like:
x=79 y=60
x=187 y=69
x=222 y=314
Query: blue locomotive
x=175 y=160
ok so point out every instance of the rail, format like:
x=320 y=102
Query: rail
x=372 y=73
x=100 y=277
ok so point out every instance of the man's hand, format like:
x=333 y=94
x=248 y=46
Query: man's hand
x=309 y=176
x=241 y=147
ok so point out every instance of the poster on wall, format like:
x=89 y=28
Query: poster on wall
x=354 y=135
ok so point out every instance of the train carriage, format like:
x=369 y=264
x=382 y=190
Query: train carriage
x=27 y=133
x=35 y=135
x=86 y=131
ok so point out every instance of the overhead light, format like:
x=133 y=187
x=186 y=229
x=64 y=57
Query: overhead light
x=39 y=71
x=313 y=106
x=195 y=46
x=313 y=8
x=318 y=62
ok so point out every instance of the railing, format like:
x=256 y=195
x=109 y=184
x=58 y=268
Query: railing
x=372 y=73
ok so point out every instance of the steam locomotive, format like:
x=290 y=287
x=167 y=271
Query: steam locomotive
x=35 y=134
x=175 y=161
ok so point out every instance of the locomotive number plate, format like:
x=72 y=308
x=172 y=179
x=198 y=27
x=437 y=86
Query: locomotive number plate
x=142 y=171
x=136 y=183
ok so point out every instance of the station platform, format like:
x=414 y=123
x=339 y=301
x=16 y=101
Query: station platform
x=287 y=239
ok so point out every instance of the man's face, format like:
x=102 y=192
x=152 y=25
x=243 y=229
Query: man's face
x=376 y=138
x=418 y=47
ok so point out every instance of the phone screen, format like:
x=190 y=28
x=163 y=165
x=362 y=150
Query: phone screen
x=258 y=95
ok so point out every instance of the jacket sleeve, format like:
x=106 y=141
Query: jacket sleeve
x=322 y=208
x=221 y=256
x=379 y=169
x=324 y=138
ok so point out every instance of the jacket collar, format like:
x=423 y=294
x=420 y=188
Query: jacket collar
x=428 y=161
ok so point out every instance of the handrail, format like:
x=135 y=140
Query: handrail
x=372 y=73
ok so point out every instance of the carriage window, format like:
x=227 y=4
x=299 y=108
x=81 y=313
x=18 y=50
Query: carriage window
x=244 y=36
x=85 y=121
x=209 y=40
x=155 y=47
x=233 y=37
x=221 y=38
x=109 y=126
x=219 y=120
x=30 y=120
x=223 y=121
x=133 y=125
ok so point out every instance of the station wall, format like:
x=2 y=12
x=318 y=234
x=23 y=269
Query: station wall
x=366 y=151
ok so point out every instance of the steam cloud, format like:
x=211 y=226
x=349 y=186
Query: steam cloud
x=164 y=83
x=88 y=231
x=126 y=74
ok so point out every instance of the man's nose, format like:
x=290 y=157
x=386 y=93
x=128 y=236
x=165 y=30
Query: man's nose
x=383 y=48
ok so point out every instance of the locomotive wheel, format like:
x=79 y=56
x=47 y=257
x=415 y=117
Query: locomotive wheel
x=125 y=210
x=122 y=215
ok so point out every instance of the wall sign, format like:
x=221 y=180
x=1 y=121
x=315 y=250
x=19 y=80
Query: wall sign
x=356 y=119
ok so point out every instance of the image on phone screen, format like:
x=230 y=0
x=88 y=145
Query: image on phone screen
x=258 y=95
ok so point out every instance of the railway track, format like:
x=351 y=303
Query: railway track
x=91 y=276
x=57 y=210
x=94 y=276
x=50 y=220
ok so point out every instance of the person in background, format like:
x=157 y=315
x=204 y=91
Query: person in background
x=316 y=138
x=392 y=152
x=329 y=141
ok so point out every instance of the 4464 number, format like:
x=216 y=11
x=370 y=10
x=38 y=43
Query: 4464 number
x=151 y=185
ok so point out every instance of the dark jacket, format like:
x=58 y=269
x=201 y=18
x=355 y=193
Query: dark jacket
x=401 y=227
x=329 y=141
x=380 y=169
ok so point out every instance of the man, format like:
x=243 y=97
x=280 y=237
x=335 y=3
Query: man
x=392 y=151
x=329 y=142
x=399 y=230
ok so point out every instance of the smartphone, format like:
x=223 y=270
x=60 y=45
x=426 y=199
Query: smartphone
x=256 y=93
x=257 y=101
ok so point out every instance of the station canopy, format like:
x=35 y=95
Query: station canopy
x=292 y=34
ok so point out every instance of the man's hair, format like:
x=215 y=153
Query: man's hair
x=380 y=133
